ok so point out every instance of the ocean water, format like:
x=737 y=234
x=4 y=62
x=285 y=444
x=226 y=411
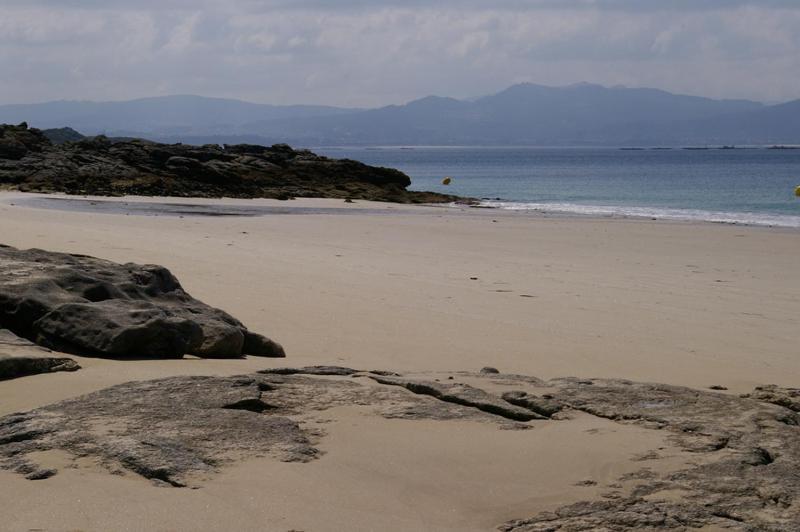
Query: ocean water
x=749 y=186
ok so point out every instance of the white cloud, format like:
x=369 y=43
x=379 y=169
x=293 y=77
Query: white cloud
x=363 y=53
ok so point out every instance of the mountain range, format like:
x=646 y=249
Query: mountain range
x=524 y=114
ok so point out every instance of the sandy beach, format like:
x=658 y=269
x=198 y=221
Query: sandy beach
x=421 y=289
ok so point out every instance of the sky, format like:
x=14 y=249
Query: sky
x=360 y=53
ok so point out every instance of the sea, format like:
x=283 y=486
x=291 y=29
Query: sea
x=753 y=186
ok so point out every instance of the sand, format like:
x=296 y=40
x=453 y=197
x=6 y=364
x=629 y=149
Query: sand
x=422 y=289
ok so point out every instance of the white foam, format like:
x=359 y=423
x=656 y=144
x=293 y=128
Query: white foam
x=744 y=218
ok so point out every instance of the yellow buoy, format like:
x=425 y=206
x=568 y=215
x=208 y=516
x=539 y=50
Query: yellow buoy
x=446 y=181
x=797 y=191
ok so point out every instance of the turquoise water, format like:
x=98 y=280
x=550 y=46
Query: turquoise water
x=754 y=186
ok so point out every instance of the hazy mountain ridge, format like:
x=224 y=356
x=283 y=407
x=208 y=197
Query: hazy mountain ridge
x=159 y=115
x=524 y=114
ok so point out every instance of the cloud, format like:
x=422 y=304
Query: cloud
x=355 y=52
x=526 y=5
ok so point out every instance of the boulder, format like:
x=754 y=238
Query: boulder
x=83 y=305
x=123 y=328
x=258 y=345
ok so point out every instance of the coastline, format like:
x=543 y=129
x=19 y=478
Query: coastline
x=746 y=219
x=430 y=290
x=247 y=207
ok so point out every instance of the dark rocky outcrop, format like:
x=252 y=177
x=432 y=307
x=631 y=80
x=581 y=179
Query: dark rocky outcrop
x=30 y=161
x=83 y=305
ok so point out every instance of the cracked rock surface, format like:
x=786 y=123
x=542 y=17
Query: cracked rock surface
x=88 y=306
x=746 y=477
x=786 y=397
x=742 y=470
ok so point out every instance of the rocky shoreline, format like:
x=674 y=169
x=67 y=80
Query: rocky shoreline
x=101 y=166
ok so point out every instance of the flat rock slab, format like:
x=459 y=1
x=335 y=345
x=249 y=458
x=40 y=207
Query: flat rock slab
x=21 y=358
x=15 y=366
x=747 y=472
x=93 y=307
x=743 y=455
x=181 y=429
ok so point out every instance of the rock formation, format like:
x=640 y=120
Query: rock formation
x=742 y=471
x=29 y=161
x=746 y=475
x=21 y=358
x=786 y=397
x=83 y=305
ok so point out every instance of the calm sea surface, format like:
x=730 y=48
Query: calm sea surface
x=753 y=186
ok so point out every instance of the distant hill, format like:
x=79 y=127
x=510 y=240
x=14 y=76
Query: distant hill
x=62 y=135
x=159 y=115
x=776 y=124
x=525 y=114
